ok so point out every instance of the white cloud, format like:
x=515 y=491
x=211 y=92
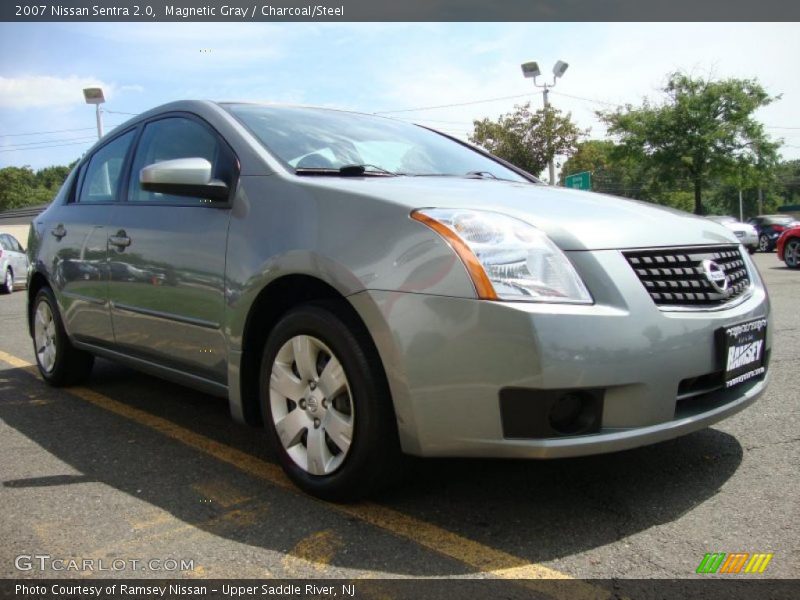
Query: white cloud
x=40 y=91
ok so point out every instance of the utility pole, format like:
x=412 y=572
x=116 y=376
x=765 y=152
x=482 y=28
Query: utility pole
x=99 y=118
x=551 y=166
x=531 y=70
x=741 y=206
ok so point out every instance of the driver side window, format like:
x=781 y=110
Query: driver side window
x=172 y=138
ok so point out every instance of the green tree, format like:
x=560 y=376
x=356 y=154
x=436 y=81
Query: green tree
x=52 y=177
x=613 y=171
x=21 y=186
x=704 y=130
x=787 y=176
x=528 y=139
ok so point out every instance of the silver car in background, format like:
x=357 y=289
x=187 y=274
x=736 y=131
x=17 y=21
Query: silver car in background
x=365 y=287
x=13 y=264
x=746 y=233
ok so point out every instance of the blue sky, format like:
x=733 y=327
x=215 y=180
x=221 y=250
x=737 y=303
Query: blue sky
x=368 y=67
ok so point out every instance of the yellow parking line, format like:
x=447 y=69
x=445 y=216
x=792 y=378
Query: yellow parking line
x=315 y=551
x=16 y=362
x=220 y=493
x=484 y=559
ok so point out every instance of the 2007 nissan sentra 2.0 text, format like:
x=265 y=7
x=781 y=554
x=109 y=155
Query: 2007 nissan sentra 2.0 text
x=367 y=288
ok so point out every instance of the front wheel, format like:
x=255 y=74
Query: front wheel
x=791 y=253
x=326 y=404
x=763 y=243
x=59 y=362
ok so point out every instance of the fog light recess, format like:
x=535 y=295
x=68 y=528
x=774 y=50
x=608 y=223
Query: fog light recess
x=573 y=413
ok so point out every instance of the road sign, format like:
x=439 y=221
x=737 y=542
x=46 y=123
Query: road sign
x=579 y=181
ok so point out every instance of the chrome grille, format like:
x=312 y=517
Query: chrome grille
x=676 y=276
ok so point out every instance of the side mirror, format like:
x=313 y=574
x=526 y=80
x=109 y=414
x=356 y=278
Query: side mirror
x=183 y=177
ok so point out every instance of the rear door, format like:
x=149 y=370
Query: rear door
x=75 y=240
x=167 y=256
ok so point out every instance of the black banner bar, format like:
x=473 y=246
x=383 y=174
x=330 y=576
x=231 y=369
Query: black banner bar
x=398 y=10
x=731 y=588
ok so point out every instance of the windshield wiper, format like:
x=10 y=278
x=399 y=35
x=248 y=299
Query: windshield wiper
x=347 y=171
x=468 y=175
x=481 y=175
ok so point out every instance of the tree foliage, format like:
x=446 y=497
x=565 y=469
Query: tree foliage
x=703 y=131
x=528 y=139
x=22 y=186
x=612 y=171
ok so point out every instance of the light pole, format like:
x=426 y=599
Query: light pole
x=95 y=96
x=531 y=71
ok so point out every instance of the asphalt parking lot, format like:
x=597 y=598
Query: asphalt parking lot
x=131 y=467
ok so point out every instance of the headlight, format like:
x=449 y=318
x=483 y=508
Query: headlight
x=506 y=258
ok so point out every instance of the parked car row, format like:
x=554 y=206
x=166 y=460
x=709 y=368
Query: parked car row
x=770 y=228
x=767 y=233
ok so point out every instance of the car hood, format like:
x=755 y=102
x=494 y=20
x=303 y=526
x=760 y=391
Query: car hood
x=574 y=219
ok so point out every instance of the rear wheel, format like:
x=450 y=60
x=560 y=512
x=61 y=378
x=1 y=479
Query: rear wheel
x=326 y=404
x=59 y=362
x=8 y=282
x=763 y=243
x=791 y=253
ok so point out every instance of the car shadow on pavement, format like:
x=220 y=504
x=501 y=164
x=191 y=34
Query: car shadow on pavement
x=533 y=510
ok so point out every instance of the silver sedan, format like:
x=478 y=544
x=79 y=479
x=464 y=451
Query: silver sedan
x=364 y=287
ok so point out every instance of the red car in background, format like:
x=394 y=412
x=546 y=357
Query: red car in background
x=789 y=247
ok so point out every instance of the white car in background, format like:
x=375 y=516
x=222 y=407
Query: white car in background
x=747 y=234
x=13 y=264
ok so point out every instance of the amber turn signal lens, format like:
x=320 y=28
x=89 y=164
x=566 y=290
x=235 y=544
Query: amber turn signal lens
x=480 y=280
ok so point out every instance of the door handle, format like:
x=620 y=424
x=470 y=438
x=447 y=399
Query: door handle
x=59 y=231
x=121 y=240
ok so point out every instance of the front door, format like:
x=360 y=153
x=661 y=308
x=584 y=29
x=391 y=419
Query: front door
x=167 y=257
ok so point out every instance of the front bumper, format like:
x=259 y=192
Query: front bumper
x=447 y=360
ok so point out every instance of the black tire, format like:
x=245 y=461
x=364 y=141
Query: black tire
x=373 y=459
x=790 y=253
x=7 y=285
x=71 y=366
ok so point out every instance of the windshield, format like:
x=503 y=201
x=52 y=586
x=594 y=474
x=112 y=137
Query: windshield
x=327 y=140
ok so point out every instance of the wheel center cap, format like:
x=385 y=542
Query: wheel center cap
x=312 y=403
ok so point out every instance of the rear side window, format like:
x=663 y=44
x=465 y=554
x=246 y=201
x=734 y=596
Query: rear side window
x=178 y=137
x=4 y=244
x=103 y=171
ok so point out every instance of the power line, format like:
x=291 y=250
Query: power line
x=116 y=112
x=595 y=100
x=437 y=121
x=399 y=110
x=53 y=131
x=92 y=137
x=44 y=147
x=44 y=132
